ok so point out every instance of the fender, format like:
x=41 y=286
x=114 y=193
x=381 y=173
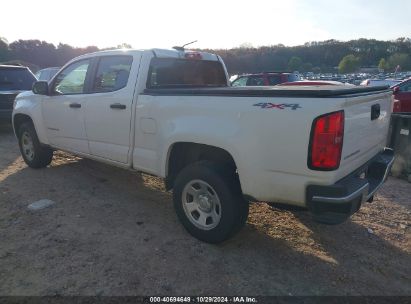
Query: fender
x=219 y=134
x=29 y=104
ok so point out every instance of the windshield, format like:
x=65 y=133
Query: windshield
x=16 y=79
x=171 y=72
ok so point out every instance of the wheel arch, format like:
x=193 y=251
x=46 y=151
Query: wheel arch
x=19 y=119
x=181 y=154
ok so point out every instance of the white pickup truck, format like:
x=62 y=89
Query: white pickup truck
x=172 y=113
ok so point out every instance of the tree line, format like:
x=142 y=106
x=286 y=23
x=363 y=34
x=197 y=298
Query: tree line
x=323 y=56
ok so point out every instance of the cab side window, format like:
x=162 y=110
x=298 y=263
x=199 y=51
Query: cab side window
x=71 y=80
x=112 y=73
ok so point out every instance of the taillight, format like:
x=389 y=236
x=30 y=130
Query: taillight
x=193 y=55
x=396 y=106
x=326 y=142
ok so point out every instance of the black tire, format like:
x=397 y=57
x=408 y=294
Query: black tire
x=225 y=184
x=41 y=156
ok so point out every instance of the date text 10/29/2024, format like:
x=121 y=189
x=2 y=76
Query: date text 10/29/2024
x=202 y=300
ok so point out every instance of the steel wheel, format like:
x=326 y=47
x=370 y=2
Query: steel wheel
x=208 y=201
x=27 y=146
x=201 y=205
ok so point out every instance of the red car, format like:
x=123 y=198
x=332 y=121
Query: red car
x=265 y=79
x=311 y=83
x=402 y=96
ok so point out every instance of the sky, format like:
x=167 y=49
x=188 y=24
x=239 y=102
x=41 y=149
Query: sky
x=215 y=24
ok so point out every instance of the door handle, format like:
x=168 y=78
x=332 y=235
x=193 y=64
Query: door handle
x=118 y=106
x=75 y=105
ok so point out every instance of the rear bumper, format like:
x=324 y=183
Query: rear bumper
x=335 y=203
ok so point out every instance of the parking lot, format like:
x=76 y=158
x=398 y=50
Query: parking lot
x=114 y=232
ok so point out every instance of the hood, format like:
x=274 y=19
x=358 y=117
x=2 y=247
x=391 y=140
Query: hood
x=11 y=92
x=24 y=94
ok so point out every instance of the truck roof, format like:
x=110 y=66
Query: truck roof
x=162 y=53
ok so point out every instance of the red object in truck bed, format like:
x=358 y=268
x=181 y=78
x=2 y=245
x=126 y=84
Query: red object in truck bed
x=402 y=96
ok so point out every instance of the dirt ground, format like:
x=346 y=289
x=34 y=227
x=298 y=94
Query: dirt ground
x=114 y=232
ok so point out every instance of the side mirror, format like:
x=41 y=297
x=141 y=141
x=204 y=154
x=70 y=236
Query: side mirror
x=396 y=90
x=41 y=88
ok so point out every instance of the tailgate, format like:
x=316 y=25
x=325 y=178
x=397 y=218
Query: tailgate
x=367 y=119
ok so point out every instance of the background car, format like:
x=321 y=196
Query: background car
x=402 y=96
x=312 y=83
x=265 y=79
x=13 y=80
x=380 y=82
x=47 y=73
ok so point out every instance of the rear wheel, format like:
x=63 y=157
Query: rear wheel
x=34 y=154
x=208 y=201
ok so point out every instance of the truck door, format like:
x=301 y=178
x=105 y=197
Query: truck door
x=108 y=111
x=63 y=109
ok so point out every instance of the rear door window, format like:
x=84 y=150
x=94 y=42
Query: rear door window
x=112 y=73
x=172 y=72
x=16 y=79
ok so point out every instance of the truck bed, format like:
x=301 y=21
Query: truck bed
x=271 y=143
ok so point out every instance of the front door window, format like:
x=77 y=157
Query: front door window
x=72 y=79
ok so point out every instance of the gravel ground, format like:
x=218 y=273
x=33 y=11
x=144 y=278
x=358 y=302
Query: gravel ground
x=114 y=232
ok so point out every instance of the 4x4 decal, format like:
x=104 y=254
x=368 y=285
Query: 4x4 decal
x=281 y=106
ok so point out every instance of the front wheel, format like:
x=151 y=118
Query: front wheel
x=208 y=201
x=34 y=154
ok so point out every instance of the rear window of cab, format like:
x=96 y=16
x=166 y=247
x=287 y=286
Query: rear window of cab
x=172 y=72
